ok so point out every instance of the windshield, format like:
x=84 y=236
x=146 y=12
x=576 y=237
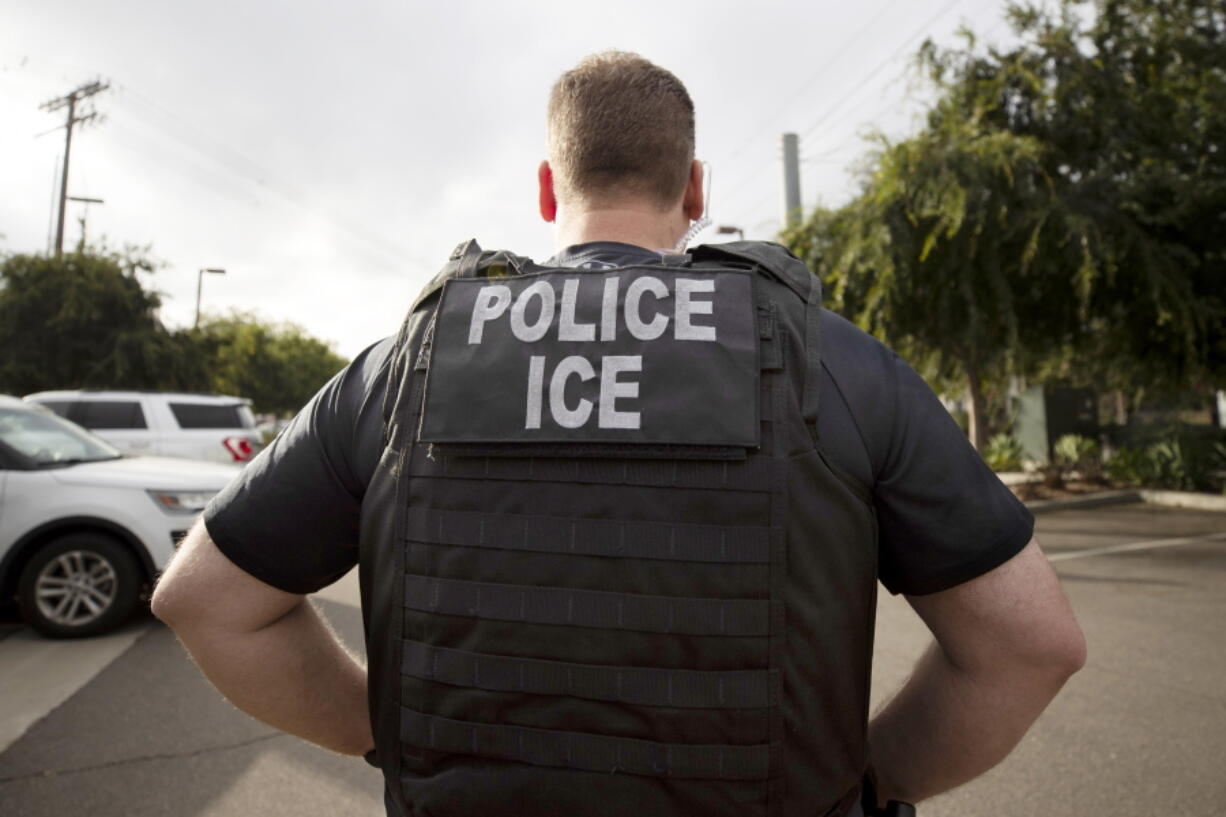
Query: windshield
x=48 y=440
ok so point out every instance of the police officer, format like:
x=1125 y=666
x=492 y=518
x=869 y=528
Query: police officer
x=620 y=519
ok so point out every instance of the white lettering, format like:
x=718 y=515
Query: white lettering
x=536 y=382
x=608 y=309
x=634 y=318
x=491 y=302
x=687 y=307
x=575 y=364
x=611 y=389
x=519 y=325
x=568 y=329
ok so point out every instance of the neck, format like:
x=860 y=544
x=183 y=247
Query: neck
x=642 y=227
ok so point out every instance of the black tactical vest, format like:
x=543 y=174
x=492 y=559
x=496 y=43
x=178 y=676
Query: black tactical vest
x=606 y=567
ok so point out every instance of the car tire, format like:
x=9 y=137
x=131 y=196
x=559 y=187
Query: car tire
x=78 y=585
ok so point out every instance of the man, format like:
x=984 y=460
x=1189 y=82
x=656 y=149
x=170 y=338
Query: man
x=620 y=525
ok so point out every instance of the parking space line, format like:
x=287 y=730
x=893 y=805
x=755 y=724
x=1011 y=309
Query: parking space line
x=38 y=674
x=1148 y=544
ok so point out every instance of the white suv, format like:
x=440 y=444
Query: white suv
x=85 y=530
x=193 y=426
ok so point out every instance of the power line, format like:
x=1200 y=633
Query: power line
x=882 y=65
x=257 y=174
x=868 y=78
x=389 y=254
x=827 y=65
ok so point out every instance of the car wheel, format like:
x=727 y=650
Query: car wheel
x=78 y=585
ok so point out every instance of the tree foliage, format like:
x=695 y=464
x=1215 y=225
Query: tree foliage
x=85 y=320
x=80 y=321
x=279 y=366
x=1062 y=211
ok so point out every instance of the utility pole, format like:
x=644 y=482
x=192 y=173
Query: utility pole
x=85 y=213
x=791 y=178
x=70 y=101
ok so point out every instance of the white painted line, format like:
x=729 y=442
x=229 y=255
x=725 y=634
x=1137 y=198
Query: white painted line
x=1148 y=544
x=38 y=674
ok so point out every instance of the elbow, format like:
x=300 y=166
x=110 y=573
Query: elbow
x=1062 y=653
x=1074 y=652
x=172 y=604
x=163 y=604
x=1049 y=657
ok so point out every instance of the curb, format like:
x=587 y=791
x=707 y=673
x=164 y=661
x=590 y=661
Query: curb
x=1185 y=499
x=1171 y=499
x=1088 y=501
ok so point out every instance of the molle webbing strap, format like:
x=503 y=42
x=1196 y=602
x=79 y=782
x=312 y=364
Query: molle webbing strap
x=580 y=750
x=591 y=537
x=589 y=608
x=749 y=475
x=637 y=686
x=813 y=355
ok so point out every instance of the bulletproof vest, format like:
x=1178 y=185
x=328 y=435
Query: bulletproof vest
x=606 y=567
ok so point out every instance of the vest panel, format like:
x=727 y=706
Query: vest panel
x=671 y=629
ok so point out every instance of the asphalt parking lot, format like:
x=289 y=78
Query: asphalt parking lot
x=1142 y=730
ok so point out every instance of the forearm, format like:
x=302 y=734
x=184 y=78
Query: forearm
x=292 y=674
x=948 y=725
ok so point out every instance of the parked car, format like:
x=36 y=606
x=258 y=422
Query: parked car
x=84 y=530
x=194 y=426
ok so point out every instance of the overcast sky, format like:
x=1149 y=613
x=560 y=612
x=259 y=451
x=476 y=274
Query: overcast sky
x=329 y=155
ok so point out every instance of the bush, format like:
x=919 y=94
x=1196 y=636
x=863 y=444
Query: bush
x=1129 y=466
x=1003 y=453
x=1081 y=454
x=1179 y=463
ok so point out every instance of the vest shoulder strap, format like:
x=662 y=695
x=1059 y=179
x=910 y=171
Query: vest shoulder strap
x=468 y=260
x=779 y=262
x=774 y=259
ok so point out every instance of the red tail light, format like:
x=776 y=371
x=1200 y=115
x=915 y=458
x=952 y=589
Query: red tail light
x=239 y=448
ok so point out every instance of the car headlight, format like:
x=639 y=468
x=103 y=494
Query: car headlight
x=182 y=502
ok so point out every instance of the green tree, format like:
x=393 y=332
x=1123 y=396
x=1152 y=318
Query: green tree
x=1061 y=211
x=278 y=365
x=84 y=320
x=81 y=321
x=937 y=256
x=1132 y=110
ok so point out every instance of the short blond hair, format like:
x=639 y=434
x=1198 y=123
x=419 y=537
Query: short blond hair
x=620 y=126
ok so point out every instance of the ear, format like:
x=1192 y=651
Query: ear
x=692 y=204
x=547 y=201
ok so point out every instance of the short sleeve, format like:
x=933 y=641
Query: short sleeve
x=291 y=517
x=944 y=517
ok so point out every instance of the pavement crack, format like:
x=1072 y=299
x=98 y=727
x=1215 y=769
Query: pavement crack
x=127 y=761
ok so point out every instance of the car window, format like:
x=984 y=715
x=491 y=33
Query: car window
x=212 y=415
x=109 y=414
x=47 y=440
x=60 y=407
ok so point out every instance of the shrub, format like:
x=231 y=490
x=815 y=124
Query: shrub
x=1081 y=454
x=1003 y=453
x=1179 y=462
x=1129 y=466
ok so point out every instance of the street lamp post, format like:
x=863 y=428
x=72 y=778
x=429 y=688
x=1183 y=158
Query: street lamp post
x=199 y=283
x=728 y=229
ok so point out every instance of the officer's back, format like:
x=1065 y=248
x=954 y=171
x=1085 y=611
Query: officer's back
x=621 y=519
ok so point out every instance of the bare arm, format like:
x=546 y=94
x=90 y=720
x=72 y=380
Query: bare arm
x=1005 y=644
x=269 y=652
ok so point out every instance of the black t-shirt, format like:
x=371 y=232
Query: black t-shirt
x=291 y=517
